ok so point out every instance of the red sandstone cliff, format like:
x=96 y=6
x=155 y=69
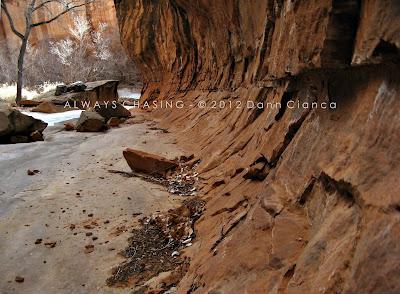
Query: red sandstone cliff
x=299 y=200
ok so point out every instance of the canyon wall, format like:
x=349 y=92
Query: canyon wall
x=101 y=11
x=299 y=199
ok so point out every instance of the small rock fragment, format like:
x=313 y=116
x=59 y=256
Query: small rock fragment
x=32 y=172
x=50 y=244
x=89 y=248
x=113 y=122
x=69 y=127
x=37 y=136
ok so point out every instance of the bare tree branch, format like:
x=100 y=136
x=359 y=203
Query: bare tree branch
x=68 y=9
x=10 y=20
x=44 y=3
x=31 y=7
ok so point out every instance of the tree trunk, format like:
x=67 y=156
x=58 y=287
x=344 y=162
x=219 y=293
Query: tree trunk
x=20 y=78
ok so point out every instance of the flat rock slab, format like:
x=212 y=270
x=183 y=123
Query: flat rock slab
x=140 y=161
x=28 y=103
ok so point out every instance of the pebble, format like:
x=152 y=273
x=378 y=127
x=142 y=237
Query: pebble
x=19 y=279
x=89 y=248
x=50 y=244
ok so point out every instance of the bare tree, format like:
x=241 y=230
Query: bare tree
x=33 y=6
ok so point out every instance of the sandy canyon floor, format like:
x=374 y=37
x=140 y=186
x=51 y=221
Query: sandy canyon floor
x=78 y=213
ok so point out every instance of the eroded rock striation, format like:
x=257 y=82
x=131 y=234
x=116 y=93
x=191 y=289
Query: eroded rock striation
x=303 y=193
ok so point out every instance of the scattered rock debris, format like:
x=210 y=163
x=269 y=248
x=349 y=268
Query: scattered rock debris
x=183 y=183
x=154 y=247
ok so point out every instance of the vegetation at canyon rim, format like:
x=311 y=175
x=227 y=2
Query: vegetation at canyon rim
x=88 y=53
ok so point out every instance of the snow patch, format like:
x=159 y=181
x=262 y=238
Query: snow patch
x=128 y=93
x=53 y=118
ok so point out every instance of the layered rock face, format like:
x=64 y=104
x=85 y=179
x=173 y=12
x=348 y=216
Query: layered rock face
x=302 y=198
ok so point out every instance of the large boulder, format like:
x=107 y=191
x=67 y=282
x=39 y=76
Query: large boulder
x=143 y=162
x=77 y=96
x=90 y=121
x=16 y=127
x=5 y=124
x=112 y=109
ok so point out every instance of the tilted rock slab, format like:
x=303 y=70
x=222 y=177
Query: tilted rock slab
x=143 y=162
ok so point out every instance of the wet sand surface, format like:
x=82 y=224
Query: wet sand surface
x=78 y=213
